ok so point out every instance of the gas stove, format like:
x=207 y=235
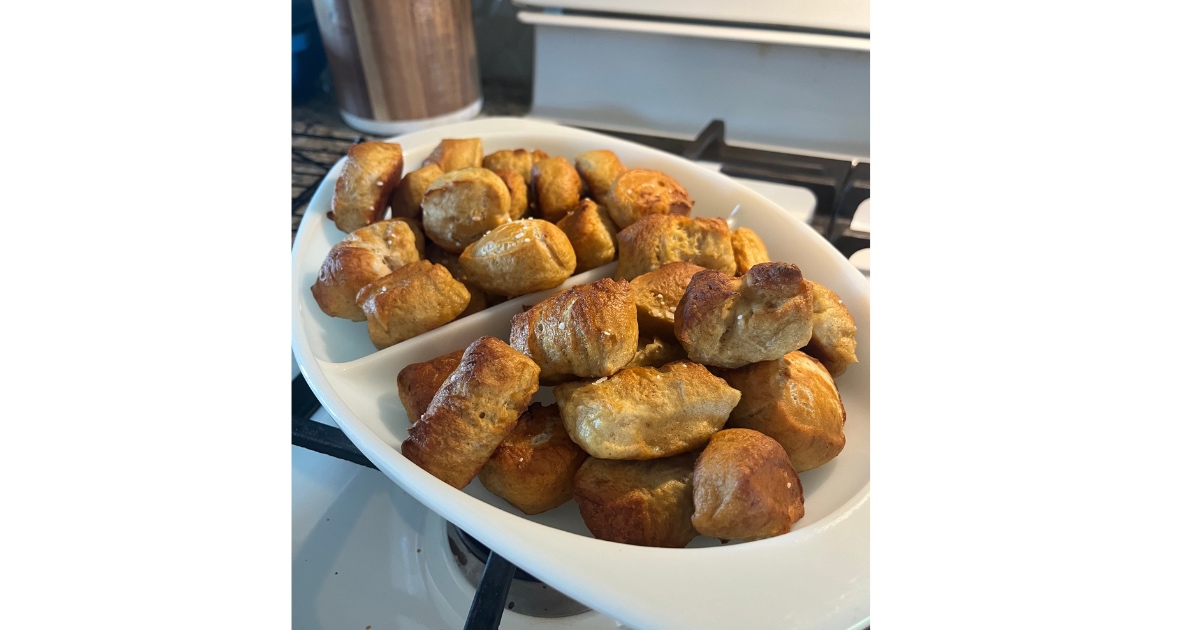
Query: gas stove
x=367 y=555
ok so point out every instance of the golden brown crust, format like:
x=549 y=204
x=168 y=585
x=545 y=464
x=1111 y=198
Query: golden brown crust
x=452 y=154
x=647 y=503
x=748 y=250
x=585 y=331
x=438 y=256
x=645 y=412
x=479 y=298
x=461 y=206
x=418 y=234
x=833 y=340
x=744 y=487
x=365 y=184
x=640 y=192
x=417 y=383
x=657 y=294
x=518 y=192
x=518 y=258
x=794 y=401
x=415 y=298
x=657 y=352
x=598 y=169
x=557 y=187
x=534 y=467
x=592 y=234
x=479 y=301
x=659 y=239
x=518 y=160
x=472 y=412
x=406 y=199
x=365 y=255
x=729 y=322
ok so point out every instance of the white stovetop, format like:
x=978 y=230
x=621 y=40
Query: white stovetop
x=367 y=555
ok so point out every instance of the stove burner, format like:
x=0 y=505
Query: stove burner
x=527 y=595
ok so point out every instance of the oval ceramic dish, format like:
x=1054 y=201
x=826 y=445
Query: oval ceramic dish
x=817 y=576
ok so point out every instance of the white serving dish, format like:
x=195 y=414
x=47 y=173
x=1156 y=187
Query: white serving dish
x=816 y=576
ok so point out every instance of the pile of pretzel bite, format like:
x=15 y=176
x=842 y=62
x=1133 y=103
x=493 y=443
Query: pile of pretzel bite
x=690 y=388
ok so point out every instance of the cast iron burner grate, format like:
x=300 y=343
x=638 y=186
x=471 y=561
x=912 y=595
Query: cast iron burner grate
x=496 y=581
x=315 y=149
x=839 y=185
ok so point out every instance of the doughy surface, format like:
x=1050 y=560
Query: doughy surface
x=794 y=401
x=834 y=338
x=534 y=466
x=518 y=258
x=364 y=187
x=585 y=331
x=660 y=239
x=744 y=487
x=657 y=294
x=647 y=503
x=645 y=412
x=640 y=192
x=729 y=322
x=417 y=383
x=364 y=256
x=592 y=235
x=461 y=206
x=414 y=299
x=472 y=412
x=748 y=250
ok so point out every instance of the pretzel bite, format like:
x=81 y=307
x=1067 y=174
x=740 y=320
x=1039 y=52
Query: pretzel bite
x=406 y=200
x=518 y=192
x=728 y=322
x=418 y=234
x=657 y=294
x=640 y=192
x=647 y=503
x=438 y=256
x=519 y=160
x=748 y=250
x=585 y=331
x=365 y=255
x=794 y=401
x=461 y=206
x=659 y=239
x=418 y=382
x=534 y=466
x=479 y=302
x=365 y=184
x=472 y=412
x=656 y=352
x=413 y=299
x=598 y=169
x=645 y=412
x=744 y=487
x=518 y=258
x=557 y=187
x=592 y=235
x=833 y=340
x=479 y=298
x=452 y=154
